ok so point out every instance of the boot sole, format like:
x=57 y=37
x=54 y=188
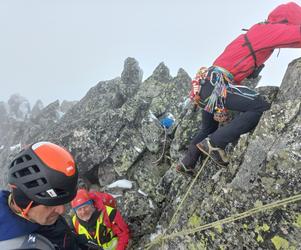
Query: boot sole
x=206 y=153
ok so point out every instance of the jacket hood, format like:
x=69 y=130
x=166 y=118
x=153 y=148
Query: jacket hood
x=289 y=13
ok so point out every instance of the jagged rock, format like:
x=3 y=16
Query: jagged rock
x=140 y=212
x=252 y=82
x=161 y=73
x=290 y=86
x=19 y=107
x=131 y=74
x=37 y=108
x=3 y=112
x=265 y=167
x=66 y=105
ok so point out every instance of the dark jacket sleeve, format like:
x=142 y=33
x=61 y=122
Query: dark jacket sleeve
x=120 y=229
x=60 y=235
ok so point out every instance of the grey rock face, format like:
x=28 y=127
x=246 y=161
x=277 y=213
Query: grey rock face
x=66 y=105
x=36 y=109
x=131 y=74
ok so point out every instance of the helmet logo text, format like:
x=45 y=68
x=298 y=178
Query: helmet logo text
x=51 y=192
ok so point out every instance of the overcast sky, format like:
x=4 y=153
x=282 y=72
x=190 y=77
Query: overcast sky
x=59 y=49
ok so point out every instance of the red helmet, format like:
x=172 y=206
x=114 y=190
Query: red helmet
x=81 y=198
x=45 y=173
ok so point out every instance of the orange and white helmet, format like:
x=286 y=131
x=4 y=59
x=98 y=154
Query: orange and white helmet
x=46 y=173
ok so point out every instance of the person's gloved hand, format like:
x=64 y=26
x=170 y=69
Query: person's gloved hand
x=196 y=102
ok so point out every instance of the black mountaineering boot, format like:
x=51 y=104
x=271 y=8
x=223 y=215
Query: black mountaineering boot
x=218 y=155
x=180 y=168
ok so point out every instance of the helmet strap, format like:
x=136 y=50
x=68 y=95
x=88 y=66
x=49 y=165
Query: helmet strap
x=18 y=210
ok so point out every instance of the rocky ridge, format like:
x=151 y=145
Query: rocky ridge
x=114 y=132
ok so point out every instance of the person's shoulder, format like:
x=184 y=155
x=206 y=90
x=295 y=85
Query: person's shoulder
x=30 y=241
x=4 y=194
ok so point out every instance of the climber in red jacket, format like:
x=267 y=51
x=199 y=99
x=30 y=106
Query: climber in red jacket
x=215 y=89
x=97 y=221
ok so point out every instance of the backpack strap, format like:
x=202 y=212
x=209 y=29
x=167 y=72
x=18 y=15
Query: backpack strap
x=76 y=225
x=248 y=43
x=106 y=218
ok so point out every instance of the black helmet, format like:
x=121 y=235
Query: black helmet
x=45 y=173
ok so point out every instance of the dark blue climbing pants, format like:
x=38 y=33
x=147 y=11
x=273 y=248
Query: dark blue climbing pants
x=250 y=108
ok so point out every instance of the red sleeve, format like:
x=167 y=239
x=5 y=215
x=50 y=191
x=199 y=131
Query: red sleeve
x=121 y=230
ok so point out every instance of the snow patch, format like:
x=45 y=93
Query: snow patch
x=116 y=195
x=152 y=117
x=60 y=114
x=151 y=205
x=1 y=147
x=139 y=150
x=121 y=184
x=157 y=233
x=141 y=192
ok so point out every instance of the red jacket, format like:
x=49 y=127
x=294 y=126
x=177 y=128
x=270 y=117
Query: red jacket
x=118 y=225
x=282 y=30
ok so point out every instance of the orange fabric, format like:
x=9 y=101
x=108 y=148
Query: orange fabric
x=76 y=225
x=55 y=157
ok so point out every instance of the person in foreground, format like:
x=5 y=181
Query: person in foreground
x=97 y=222
x=43 y=177
x=217 y=89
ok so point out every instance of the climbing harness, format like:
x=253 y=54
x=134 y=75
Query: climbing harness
x=220 y=80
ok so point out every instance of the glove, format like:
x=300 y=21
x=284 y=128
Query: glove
x=196 y=102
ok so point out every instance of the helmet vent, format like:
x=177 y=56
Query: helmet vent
x=23 y=172
x=32 y=184
x=16 y=161
x=34 y=169
x=28 y=157
x=35 y=183
x=21 y=160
